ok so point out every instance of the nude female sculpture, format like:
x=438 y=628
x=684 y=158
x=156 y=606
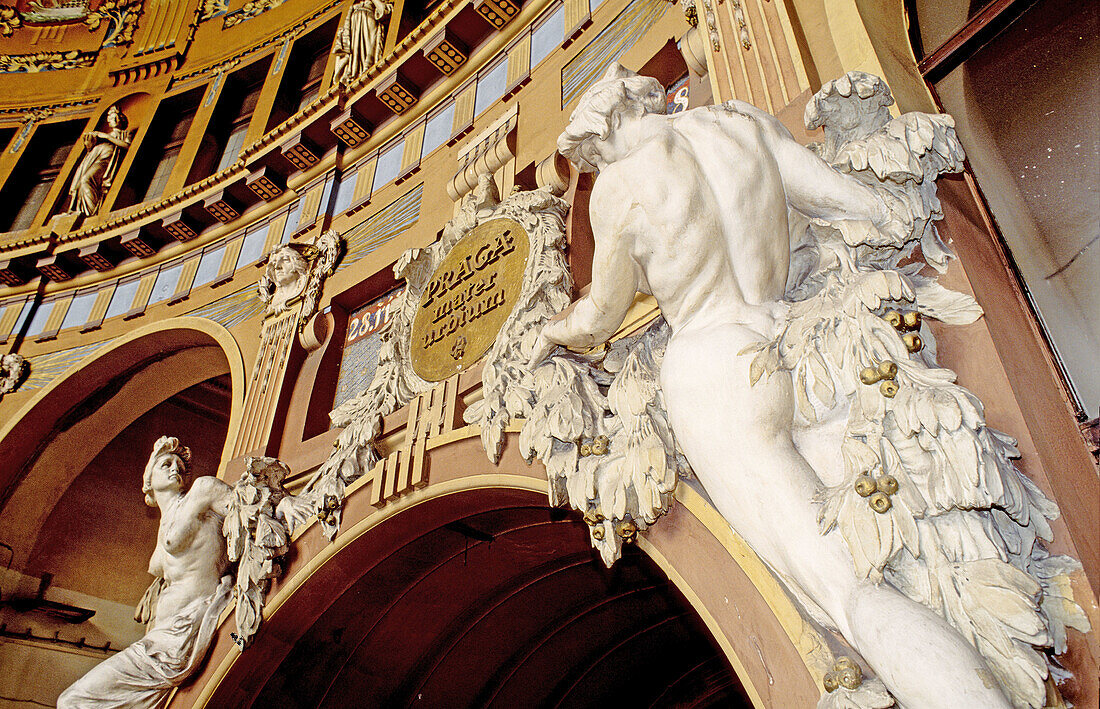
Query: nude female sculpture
x=97 y=170
x=184 y=601
x=693 y=209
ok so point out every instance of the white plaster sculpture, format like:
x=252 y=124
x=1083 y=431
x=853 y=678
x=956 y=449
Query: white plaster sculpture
x=257 y=527
x=298 y=269
x=812 y=413
x=545 y=290
x=97 y=169
x=359 y=41
x=191 y=587
x=188 y=593
x=13 y=370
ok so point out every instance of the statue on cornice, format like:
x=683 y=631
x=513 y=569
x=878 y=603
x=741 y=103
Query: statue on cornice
x=205 y=525
x=97 y=169
x=360 y=40
x=790 y=363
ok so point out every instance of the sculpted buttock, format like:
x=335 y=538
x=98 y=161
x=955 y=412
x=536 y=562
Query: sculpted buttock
x=695 y=209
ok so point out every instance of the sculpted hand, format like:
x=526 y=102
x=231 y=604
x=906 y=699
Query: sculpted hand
x=893 y=219
x=543 y=347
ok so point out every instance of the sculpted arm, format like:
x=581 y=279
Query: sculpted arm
x=597 y=316
x=813 y=187
x=213 y=493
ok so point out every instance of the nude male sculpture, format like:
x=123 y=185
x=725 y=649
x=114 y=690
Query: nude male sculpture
x=693 y=210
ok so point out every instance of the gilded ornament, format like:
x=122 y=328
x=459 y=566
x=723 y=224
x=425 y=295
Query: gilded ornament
x=600 y=445
x=911 y=320
x=880 y=502
x=472 y=294
x=9 y=20
x=628 y=530
x=850 y=677
x=888 y=369
x=889 y=388
x=894 y=318
x=585 y=450
x=869 y=375
x=593 y=518
x=887 y=483
x=831 y=682
x=865 y=485
x=597 y=533
x=912 y=341
x=843 y=663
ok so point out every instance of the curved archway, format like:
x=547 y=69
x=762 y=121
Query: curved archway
x=50 y=441
x=729 y=595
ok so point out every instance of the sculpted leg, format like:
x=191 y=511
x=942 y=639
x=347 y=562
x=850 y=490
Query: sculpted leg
x=741 y=451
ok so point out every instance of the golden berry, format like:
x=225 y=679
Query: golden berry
x=912 y=341
x=865 y=485
x=888 y=369
x=889 y=388
x=887 y=483
x=869 y=375
x=880 y=502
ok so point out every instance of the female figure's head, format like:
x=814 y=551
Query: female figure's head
x=166 y=470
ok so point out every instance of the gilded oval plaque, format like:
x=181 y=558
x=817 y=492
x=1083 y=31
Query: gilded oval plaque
x=469 y=298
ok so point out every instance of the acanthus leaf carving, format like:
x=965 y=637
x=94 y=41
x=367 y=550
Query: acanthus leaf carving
x=257 y=531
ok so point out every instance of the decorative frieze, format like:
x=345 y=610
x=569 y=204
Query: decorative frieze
x=45 y=61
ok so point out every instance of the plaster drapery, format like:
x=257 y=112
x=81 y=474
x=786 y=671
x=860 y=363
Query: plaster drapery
x=143 y=674
x=96 y=171
x=359 y=41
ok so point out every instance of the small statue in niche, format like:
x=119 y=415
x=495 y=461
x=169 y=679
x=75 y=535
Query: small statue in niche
x=183 y=603
x=97 y=169
x=298 y=269
x=359 y=41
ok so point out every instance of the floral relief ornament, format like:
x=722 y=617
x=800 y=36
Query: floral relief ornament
x=545 y=290
x=9 y=20
x=45 y=61
x=122 y=18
